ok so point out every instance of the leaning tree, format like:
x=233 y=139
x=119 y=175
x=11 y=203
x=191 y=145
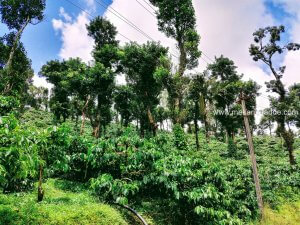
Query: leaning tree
x=266 y=47
x=17 y=14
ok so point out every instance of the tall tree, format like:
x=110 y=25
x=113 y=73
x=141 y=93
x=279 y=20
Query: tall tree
x=19 y=83
x=106 y=55
x=267 y=45
x=176 y=18
x=68 y=79
x=143 y=68
x=101 y=87
x=225 y=92
x=199 y=92
x=124 y=103
x=17 y=14
x=106 y=49
x=294 y=99
x=226 y=87
x=194 y=94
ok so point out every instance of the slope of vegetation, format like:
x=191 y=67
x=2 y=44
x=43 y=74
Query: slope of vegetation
x=65 y=203
x=163 y=177
x=169 y=143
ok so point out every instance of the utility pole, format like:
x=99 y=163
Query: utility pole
x=252 y=155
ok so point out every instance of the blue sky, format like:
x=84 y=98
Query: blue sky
x=43 y=43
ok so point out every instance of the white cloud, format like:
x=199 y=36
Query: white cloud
x=142 y=19
x=74 y=36
x=41 y=82
x=65 y=15
x=91 y=4
x=226 y=27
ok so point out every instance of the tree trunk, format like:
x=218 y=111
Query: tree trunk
x=252 y=156
x=179 y=85
x=151 y=121
x=177 y=111
x=96 y=130
x=196 y=133
x=206 y=124
x=288 y=138
x=40 y=188
x=196 y=117
x=142 y=127
x=182 y=59
x=83 y=115
x=16 y=41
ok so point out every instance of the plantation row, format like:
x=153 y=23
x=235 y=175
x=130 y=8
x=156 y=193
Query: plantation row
x=127 y=143
x=212 y=185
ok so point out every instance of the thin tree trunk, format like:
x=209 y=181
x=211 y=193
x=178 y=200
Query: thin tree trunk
x=196 y=116
x=286 y=135
x=83 y=115
x=289 y=141
x=181 y=70
x=253 y=157
x=40 y=188
x=142 y=127
x=16 y=41
x=96 y=130
x=177 y=111
x=151 y=121
x=196 y=133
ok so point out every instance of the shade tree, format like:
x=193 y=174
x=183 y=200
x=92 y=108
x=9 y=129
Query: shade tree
x=226 y=88
x=267 y=44
x=18 y=84
x=17 y=14
x=177 y=20
x=144 y=69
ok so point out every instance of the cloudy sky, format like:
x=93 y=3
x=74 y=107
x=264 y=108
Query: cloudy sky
x=225 y=27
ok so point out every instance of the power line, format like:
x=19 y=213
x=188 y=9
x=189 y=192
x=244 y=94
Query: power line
x=207 y=57
x=123 y=18
x=204 y=59
x=79 y=7
x=127 y=21
x=145 y=8
x=149 y=5
x=92 y=16
x=118 y=32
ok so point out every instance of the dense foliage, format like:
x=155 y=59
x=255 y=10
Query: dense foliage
x=168 y=143
x=211 y=185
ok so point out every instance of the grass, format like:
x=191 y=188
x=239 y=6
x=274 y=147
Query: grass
x=287 y=214
x=65 y=203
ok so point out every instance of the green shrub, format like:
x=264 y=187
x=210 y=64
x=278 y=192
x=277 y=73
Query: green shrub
x=18 y=156
x=180 y=140
x=8 y=105
x=61 y=206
